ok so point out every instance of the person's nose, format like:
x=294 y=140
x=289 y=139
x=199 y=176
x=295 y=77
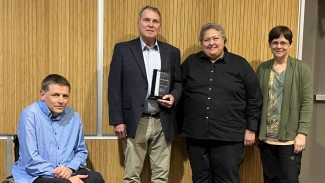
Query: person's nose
x=60 y=99
x=150 y=24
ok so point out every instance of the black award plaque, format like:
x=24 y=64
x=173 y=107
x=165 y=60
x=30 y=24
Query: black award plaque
x=160 y=84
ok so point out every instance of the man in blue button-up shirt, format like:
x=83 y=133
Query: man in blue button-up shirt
x=51 y=143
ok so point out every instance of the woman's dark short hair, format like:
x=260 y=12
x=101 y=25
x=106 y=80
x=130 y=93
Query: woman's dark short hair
x=54 y=79
x=279 y=30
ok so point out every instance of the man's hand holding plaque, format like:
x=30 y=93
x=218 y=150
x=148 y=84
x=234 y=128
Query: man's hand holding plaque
x=160 y=88
x=167 y=101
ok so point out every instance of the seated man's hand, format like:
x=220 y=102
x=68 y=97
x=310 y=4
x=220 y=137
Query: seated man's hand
x=77 y=178
x=62 y=172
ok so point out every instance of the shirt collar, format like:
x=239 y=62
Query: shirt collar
x=48 y=112
x=223 y=59
x=144 y=46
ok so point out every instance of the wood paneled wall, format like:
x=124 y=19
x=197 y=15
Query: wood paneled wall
x=3 y=168
x=39 y=37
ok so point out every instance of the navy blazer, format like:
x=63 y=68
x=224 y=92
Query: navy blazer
x=128 y=85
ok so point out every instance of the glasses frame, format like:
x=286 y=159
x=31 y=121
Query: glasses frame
x=281 y=43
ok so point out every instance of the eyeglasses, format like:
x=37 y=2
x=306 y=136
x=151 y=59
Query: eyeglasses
x=282 y=43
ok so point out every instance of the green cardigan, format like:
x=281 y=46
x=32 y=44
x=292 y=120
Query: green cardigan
x=297 y=104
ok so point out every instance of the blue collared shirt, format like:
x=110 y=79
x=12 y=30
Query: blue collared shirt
x=46 y=143
x=152 y=61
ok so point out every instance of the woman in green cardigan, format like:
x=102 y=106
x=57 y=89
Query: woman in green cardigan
x=287 y=88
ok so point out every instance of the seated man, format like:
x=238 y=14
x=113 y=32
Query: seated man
x=52 y=147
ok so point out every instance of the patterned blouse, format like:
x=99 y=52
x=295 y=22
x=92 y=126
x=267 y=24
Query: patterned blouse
x=276 y=85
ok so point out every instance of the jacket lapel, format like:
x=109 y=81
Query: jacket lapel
x=164 y=55
x=138 y=55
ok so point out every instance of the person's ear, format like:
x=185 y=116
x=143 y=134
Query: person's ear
x=42 y=95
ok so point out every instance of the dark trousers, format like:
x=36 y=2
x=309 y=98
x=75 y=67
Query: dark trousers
x=280 y=164
x=93 y=177
x=215 y=161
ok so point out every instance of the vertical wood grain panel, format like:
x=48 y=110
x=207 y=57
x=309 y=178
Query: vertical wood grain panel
x=251 y=169
x=39 y=37
x=106 y=157
x=3 y=168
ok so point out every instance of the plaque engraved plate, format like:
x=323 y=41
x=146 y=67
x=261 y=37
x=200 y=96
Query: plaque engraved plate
x=160 y=84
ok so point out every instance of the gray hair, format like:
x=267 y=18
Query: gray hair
x=214 y=26
x=152 y=8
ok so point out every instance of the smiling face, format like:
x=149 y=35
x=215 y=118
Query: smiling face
x=149 y=26
x=56 y=98
x=213 y=44
x=280 y=47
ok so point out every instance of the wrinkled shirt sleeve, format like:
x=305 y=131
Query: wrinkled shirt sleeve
x=34 y=163
x=81 y=152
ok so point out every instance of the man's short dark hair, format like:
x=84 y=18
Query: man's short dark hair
x=54 y=79
x=279 y=30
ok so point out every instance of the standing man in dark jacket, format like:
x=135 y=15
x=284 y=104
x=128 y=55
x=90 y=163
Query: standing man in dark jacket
x=145 y=125
x=222 y=105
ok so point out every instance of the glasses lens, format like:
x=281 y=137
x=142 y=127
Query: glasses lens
x=282 y=43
